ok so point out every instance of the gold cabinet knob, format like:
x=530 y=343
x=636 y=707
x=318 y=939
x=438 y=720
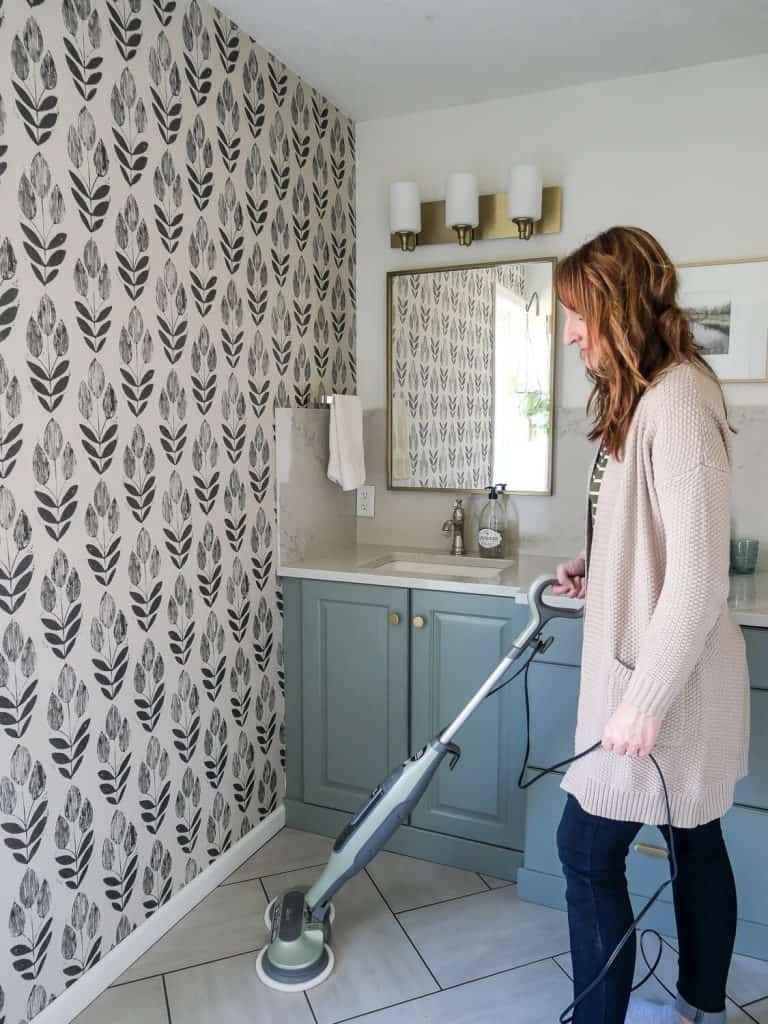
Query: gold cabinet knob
x=651 y=851
x=394 y=619
x=419 y=622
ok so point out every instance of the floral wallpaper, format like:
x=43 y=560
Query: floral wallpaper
x=177 y=252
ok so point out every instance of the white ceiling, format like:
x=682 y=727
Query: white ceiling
x=379 y=58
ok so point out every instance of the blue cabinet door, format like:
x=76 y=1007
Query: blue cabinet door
x=462 y=639
x=355 y=676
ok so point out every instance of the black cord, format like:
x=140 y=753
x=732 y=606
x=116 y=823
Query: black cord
x=537 y=645
x=564 y=1019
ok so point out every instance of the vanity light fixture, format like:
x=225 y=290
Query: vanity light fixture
x=462 y=212
x=405 y=213
x=524 y=197
x=524 y=210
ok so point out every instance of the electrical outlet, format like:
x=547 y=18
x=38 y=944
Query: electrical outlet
x=365 y=500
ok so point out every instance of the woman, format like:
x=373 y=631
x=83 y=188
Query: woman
x=663 y=664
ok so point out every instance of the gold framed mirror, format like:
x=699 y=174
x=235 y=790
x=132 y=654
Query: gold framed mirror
x=471 y=377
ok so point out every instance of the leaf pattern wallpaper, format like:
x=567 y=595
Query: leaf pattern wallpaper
x=443 y=375
x=177 y=257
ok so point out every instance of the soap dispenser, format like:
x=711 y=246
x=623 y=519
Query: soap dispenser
x=490 y=536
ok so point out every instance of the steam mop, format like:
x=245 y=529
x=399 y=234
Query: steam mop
x=298 y=955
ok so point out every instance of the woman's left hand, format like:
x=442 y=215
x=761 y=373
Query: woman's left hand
x=629 y=731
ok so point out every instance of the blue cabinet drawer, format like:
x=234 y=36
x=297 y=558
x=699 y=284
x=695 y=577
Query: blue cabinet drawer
x=546 y=800
x=544 y=808
x=754 y=789
x=648 y=863
x=746 y=836
x=554 y=694
x=756 y=641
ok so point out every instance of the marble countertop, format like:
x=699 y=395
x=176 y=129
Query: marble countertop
x=367 y=563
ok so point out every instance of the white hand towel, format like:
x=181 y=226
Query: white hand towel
x=346 y=462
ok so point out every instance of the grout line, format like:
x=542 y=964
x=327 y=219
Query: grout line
x=752 y=1003
x=454 y=899
x=309 y=1004
x=448 y=988
x=167 y=1003
x=561 y=966
x=272 y=874
x=189 y=967
x=405 y=933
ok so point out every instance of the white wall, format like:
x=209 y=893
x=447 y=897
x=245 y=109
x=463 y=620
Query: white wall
x=683 y=154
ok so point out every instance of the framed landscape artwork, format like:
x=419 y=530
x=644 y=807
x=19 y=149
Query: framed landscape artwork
x=728 y=307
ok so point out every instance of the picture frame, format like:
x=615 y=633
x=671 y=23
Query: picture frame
x=727 y=301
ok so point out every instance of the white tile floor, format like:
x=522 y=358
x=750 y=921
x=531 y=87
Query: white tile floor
x=415 y=943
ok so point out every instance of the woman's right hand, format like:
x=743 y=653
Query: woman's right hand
x=571 y=577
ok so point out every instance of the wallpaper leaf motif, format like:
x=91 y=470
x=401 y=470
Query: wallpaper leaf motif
x=66 y=720
x=18 y=664
x=3 y=145
x=202 y=257
x=32 y=911
x=82 y=59
x=133 y=242
x=94 y=285
x=199 y=164
x=227 y=41
x=112 y=750
x=42 y=205
x=197 y=43
x=108 y=634
x=36 y=102
x=23 y=800
x=130 y=122
x=228 y=114
x=15 y=568
x=9 y=304
x=164 y=11
x=136 y=353
x=181 y=263
x=165 y=89
x=125 y=22
x=214 y=661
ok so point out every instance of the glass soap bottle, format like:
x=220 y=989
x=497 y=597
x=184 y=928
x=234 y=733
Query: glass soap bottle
x=490 y=536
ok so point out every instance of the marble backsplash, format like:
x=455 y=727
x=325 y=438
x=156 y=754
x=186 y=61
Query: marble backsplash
x=554 y=525
x=313 y=514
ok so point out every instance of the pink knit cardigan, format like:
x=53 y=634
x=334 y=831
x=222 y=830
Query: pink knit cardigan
x=657 y=629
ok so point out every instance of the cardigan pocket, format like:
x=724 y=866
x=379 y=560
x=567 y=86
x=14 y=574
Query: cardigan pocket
x=619 y=678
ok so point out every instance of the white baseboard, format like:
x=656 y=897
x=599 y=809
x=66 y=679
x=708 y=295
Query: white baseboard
x=95 y=981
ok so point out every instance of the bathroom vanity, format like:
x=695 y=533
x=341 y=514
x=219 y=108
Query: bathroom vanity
x=383 y=647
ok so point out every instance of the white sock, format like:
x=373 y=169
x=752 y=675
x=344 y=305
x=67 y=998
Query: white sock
x=642 y=1011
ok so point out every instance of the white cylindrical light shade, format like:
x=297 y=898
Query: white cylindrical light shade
x=404 y=207
x=461 y=202
x=524 y=192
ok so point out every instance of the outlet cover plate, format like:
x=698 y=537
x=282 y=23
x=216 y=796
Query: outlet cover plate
x=366 y=497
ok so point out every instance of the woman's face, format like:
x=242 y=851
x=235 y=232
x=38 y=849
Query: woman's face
x=575 y=333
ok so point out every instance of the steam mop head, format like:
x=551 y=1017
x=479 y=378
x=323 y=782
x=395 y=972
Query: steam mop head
x=297 y=956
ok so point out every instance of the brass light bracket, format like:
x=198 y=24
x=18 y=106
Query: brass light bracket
x=493 y=220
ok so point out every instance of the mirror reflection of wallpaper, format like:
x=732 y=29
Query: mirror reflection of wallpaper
x=442 y=375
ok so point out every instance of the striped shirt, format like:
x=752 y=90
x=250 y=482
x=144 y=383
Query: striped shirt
x=597 y=479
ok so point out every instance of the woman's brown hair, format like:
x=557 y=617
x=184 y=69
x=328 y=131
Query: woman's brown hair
x=625 y=287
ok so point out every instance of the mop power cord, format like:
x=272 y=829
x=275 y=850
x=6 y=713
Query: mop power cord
x=539 y=647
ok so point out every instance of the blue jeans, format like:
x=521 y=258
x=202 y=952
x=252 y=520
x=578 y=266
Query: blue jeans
x=593 y=853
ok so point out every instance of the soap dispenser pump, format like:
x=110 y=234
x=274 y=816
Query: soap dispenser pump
x=490 y=537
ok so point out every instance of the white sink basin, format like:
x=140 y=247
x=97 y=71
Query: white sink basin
x=452 y=566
